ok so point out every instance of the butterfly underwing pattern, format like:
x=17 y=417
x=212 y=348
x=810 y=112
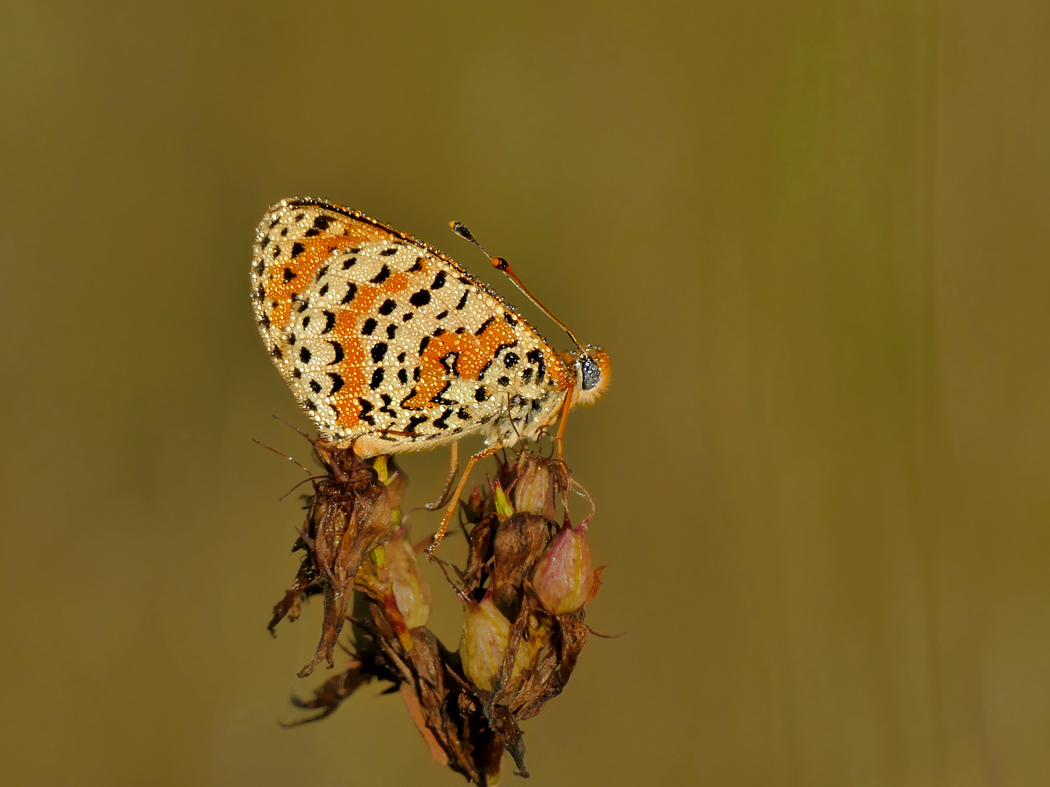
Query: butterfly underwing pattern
x=390 y=346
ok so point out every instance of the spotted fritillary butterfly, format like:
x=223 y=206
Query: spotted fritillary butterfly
x=391 y=347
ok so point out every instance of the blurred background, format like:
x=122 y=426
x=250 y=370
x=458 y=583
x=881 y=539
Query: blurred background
x=813 y=237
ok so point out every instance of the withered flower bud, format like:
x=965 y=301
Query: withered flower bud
x=395 y=480
x=504 y=510
x=534 y=491
x=411 y=593
x=486 y=632
x=564 y=577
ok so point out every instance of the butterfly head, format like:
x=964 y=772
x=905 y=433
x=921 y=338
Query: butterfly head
x=591 y=366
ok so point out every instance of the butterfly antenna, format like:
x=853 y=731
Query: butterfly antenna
x=501 y=264
x=291 y=459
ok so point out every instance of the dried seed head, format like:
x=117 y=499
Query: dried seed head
x=411 y=593
x=355 y=550
x=564 y=576
x=516 y=548
x=483 y=648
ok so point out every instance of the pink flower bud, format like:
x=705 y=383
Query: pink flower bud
x=483 y=649
x=564 y=578
x=411 y=593
x=534 y=492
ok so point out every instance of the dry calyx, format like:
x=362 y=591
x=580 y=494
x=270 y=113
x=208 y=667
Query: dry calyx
x=523 y=589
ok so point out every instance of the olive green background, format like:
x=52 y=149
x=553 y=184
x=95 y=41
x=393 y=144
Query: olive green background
x=813 y=237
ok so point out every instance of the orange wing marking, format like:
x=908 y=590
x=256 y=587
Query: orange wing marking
x=474 y=352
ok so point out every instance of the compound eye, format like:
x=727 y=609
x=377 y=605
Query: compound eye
x=590 y=374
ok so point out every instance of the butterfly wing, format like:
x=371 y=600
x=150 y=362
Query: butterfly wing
x=388 y=343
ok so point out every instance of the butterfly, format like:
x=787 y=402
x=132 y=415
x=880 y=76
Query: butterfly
x=391 y=347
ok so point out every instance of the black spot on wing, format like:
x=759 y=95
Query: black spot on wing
x=442 y=422
x=450 y=361
x=366 y=408
x=536 y=357
x=505 y=346
x=337 y=348
x=386 y=405
x=439 y=399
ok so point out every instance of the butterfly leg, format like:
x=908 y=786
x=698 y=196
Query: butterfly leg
x=434 y=505
x=558 y=440
x=440 y=535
